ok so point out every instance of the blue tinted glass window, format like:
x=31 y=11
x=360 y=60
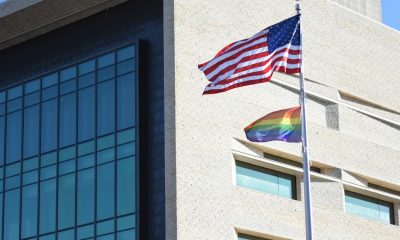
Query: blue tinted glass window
x=31 y=131
x=66 y=167
x=67 y=153
x=369 y=207
x=49 y=80
x=85 y=148
x=126 y=235
x=68 y=73
x=14 y=92
x=66 y=235
x=125 y=222
x=265 y=180
x=49 y=125
x=49 y=93
x=105 y=156
x=106 y=73
x=47 y=206
x=48 y=159
x=85 y=196
x=106 y=237
x=2 y=109
x=48 y=172
x=85 y=232
x=30 y=164
x=67 y=87
x=105 y=191
x=66 y=201
x=29 y=210
x=105 y=227
x=126 y=186
x=126 y=150
x=32 y=99
x=126 y=136
x=32 y=86
x=125 y=53
x=30 y=177
x=2 y=132
x=14 y=105
x=105 y=60
x=14 y=131
x=67 y=119
x=13 y=169
x=13 y=182
x=105 y=107
x=87 y=67
x=126 y=101
x=11 y=215
x=86 y=80
x=2 y=97
x=125 y=67
x=86 y=161
x=86 y=114
x=105 y=142
x=1 y=212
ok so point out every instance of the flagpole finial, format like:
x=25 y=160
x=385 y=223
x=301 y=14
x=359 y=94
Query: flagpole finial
x=298 y=6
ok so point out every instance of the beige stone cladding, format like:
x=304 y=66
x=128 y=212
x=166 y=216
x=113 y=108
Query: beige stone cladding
x=352 y=72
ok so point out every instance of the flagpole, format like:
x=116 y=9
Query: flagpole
x=306 y=163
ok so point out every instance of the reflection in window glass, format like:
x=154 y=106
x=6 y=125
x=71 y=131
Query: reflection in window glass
x=368 y=207
x=86 y=114
x=29 y=211
x=105 y=107
x=14 y=131
x=126 y=235
x=32 y=86
x=105 y=191
x=66 y=201
x=31 y=131
x=49 y=125
x=2 y=132
x=47 y=206
x=67 y=119
x=68 y=168
x=265 y=180
x=125 y=186
x=85 y=196
x=126 y=101
x=11 y=215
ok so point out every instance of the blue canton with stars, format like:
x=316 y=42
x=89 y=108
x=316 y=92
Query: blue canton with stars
x=283 y=33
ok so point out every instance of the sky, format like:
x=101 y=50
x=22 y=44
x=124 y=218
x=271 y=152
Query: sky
x=390 y=13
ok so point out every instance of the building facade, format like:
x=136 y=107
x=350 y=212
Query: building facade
x=104 y=132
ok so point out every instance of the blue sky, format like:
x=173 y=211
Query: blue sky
x=391 y=13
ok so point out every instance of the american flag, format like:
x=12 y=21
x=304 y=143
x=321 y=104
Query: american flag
x=253 y=60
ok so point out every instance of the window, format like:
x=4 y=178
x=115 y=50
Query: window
x=368 y=207
x=67 y=152
x=265 y=180
x=248 y=237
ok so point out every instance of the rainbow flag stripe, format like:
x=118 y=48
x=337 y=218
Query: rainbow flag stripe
x=282 y=125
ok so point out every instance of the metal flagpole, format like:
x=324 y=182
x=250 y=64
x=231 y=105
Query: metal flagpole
x=306 y=163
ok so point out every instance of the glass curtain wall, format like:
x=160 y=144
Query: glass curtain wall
x=67 y=152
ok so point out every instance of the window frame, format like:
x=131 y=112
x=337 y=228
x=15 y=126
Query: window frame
x=293 y=178
x=372 y=200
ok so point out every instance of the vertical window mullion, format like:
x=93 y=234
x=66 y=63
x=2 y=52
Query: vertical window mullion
x=115 y=143
x=21 y=165
x=95 y=148
x=4 y=166
x=39 y=163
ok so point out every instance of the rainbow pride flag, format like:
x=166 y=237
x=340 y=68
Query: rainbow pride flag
x=282 y=125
